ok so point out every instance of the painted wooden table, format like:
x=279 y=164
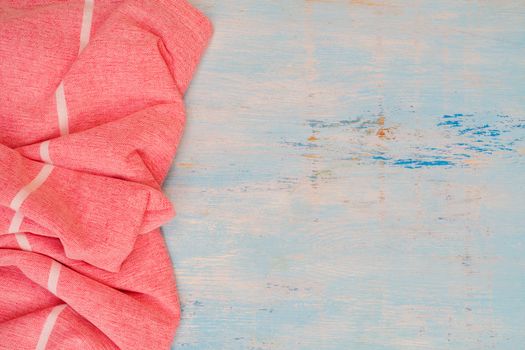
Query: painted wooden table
x=352 y=177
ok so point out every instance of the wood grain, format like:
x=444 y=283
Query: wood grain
x=351 y=177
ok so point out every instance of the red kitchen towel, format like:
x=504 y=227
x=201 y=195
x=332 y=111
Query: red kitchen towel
x=91 y=112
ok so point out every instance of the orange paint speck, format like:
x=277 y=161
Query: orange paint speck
x=312 y=138
x=385 y=133
x=365 y=3
x=311 y=156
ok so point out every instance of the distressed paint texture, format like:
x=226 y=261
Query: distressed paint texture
x=351 y=177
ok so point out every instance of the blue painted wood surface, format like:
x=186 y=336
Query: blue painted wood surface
x=352 y=177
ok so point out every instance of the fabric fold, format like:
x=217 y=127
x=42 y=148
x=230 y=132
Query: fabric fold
x=96 y=218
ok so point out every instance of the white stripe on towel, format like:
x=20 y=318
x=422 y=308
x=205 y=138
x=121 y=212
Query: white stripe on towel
x=49 y=324
x=18 y=200
x=22 y=195
x=85 y=29
x=60 y=97
x=54 y=274
x=16 y=221
x=44 y=152
x=23 y=243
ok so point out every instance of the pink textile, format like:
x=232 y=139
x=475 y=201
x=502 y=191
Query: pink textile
x=91 y=112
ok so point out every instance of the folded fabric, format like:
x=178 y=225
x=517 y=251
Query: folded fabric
x=91 y=113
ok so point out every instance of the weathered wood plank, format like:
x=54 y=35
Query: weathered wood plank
x=351 y=177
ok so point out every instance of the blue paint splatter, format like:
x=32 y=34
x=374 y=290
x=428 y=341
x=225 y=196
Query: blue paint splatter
x=491 y=133
x=300 y=144
x=451 y=123
x=486 y=134
x=457 y=115
x=455 y=138
x=314 y=123
x=418 y=163
x=498 y=134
